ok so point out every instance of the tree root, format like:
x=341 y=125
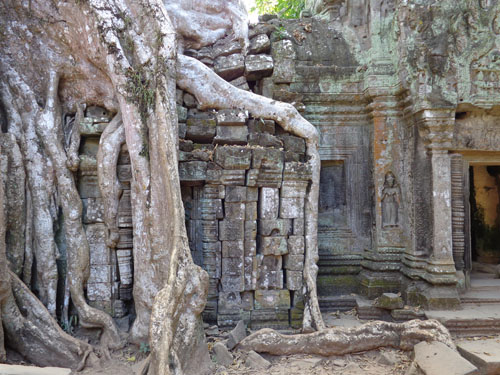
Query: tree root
x=211 y=91
x=341 y=341
x=110 y=143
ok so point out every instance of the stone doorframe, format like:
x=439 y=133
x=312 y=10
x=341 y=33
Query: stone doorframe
x=461 y=160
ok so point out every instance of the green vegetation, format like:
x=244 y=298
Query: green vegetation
x=283 y=8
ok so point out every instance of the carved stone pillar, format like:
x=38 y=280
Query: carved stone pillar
x=458 y=210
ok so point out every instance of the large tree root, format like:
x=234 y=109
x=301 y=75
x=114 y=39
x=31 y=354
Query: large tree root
x=340 y=341
x=110 y=143
x=214 y=92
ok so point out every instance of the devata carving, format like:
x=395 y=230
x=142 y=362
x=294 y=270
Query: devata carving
x=390 y=202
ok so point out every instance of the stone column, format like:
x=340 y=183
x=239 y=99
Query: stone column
x=436 y=130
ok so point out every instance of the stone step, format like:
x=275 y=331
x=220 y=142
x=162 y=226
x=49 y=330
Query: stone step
x=435 y=358
x=483 y=353
x=32 y=370
x=471 y=320
x=337 y=303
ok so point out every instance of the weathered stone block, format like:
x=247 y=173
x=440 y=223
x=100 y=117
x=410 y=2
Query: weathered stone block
x=294 y=144
x=283 y=49
x=250 y=248
x=201 y=130
x=100 y=274
x=99 y=291
x=222 y=355
x=229 y=302
x=273 y=245
x=226 y=48
x=231 y=230
x=258 y=66
x=298 y=227
x=297 y=171
x=264 y=178
x=126 y=238
x=271 y=318
x=233 y=283
x=93 y=210
x=192 y=171
x=292 y=208
x=296 y=245
x=250 y=272
x=233 y=157
x=269 y=203
x=234 y=211
x=210 y=230
x=214 y=191
x=230 y=67
x=236 y=194
x=231 y=135
x=125 y=210
x=241 y=83
x=270 y=275
x=211 y=209
x=284 y=71
x=267 y=159
x=277 y=227
x=294 y=280
x=247 y=300
x=232 y=249
x=261 y=126
x=259 y=44
x=293 y=262
x=226 y=176
x=389 y=301
x=252 y=194
x=181 y=129
x=269 y=263
x=231 y=117
x=272 y=299
x=294 y=189
x=250 y=230
x=96 y=237
x=88 y=187
x=182 y=113
x=236 y=335
x=264 y=140
x=251 y=211
x=190 y=101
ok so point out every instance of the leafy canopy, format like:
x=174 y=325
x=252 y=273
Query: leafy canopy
x=285 y=8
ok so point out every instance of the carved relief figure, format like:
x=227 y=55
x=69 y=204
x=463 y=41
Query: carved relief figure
x=390 y=202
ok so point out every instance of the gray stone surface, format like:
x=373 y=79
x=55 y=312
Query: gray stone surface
x=256 y=362
x=222 y=354
x=259 y=44
x=230 y=67
x=231 y=117
x=236 y=335
x=258 y=66
x=389 y=301
x=231 y=135
x=269 y=203
x=483 y=353
x=436 y=358
x=32 y=370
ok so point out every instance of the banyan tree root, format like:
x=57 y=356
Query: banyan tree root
x=211 y=91
x=48 y=124
x=110 y=143
x=341 y=341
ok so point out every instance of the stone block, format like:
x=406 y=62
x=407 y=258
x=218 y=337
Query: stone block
x=236 y=194
x=229 y=302
x=270 y=280
x=264 y=178
x=214 y=191
x=261 y=126
x=231 y=117
x=181 y=129
x=88 y=187
x=297 y=171
x=272 y=318
x=292 y=208
x=247 y=300
x=99 y=291
x=234 y=211
x=269 y=263
x=251 y=211
x=294 y=189
x=190 y=101
x=233 y=157
x=259 y=44
x=293 y=262
x=484 y=353
x=211 y=209
x=252 y=194
x=269 y=204
x=125 y=266
x=126 y=240
x=213 y=288
x=233 y=266
x=231 y=135
x=271 y=299
x=232 y=283
x=298 y=227
x=88 y=127
x=258 y=66
x=276 y=245
x=250 y=248
x=284 y=71
x=276 y=227
x=233 y=249
x=267 y=159
x=283 y=49
x=100 y=274
x=389 y=301
x=226 y=176
x=250 y=230
x=210 y=230
x=96 y=237
x=293 y=144
x=222 y=355
x=192 y=171
x=201 y=130
x=296 y=245
x=212 y=263
x=294 y=280
x=181 y=114
x=236 y=335
x=264 y=140
x=241 y=83
x=250 y=272
x=231 y=230
x=256 y=361
x=230 y=67
x=436 y=358
x=125 y=210
x=93 y=210
x=226 y=48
